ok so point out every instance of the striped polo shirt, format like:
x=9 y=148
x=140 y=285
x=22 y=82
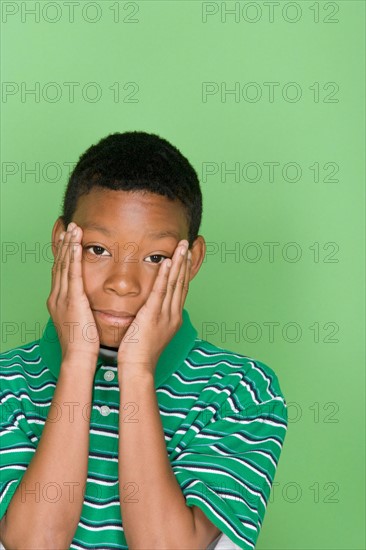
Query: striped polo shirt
x=224 y=419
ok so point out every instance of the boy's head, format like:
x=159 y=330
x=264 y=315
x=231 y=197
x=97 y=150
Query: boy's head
x=135 y=196
x=137 y=161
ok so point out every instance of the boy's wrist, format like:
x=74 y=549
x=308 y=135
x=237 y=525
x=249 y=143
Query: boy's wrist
x=135 y=374
x=82 y=362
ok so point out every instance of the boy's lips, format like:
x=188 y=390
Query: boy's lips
x=112 y=316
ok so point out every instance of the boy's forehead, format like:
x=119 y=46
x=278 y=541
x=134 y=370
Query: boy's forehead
x=118 y=210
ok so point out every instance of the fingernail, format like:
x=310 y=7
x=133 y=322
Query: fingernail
x=74 y=232
x=184 y=247
x=62 y=235
x=189 y=255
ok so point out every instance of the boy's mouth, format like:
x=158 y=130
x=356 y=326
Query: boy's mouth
x=122 y=318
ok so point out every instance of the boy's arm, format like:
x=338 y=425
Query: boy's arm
x=57 y=469
x=153 y=507
x=45 y=509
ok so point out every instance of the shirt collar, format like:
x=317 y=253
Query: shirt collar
x=170 y=359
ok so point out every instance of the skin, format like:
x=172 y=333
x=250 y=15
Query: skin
x=117 y=276
x=121 y=275
x=81 y=283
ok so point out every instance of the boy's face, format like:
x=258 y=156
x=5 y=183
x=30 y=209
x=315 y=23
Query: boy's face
x=122 y=251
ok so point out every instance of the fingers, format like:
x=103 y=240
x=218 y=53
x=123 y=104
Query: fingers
x=67 y=263
x=158 y=291
x=55 y=272
x=76 y=286
x=64 y=261
x=176 y=280
x=180 y=285
x=186 y=278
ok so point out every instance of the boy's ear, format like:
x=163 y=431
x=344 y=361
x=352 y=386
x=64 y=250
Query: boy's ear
x=198 y=254
x=58 y=228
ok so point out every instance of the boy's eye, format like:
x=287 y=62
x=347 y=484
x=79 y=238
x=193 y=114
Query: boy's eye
x=157 y=256
x=97 y=250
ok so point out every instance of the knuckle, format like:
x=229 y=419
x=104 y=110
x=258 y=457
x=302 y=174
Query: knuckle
x=68 y=302
x=50 y=304
x=177 y=323
x=161 y=291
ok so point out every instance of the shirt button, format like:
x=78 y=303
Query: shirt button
x=108 y=375
x=105 y=410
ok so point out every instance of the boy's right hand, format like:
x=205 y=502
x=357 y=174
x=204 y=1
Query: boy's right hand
x=68 y=304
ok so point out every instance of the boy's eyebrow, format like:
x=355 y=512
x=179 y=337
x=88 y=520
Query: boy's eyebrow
x=92 y=225
x=157 y=234
x=162 y=234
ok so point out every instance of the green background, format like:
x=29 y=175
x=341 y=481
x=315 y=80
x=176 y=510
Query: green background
x=312 y=290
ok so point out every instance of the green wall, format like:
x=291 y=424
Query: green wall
x=273 y=92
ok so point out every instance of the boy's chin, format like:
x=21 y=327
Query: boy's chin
x=111 y=337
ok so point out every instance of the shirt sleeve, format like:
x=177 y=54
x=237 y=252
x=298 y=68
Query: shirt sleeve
x=16 y=450
x=227 y=468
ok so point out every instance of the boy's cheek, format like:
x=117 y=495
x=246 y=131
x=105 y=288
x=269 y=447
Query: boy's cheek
x=89 y=258
x=90 y=263
x=90 y=277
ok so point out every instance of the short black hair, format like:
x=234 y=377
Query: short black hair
x=136 y=161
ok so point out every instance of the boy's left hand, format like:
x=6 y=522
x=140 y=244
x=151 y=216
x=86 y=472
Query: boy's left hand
x=159 y=318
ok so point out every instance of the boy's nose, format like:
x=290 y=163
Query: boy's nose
x=123 y=278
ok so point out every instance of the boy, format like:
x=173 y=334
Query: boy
x=120 y=427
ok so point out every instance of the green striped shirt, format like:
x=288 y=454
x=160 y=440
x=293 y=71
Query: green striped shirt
x=224 y=419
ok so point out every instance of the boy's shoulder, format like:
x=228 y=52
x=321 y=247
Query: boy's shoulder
x=23 y=354
x=208 y=358
x=20 y=367
x=229 y=363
